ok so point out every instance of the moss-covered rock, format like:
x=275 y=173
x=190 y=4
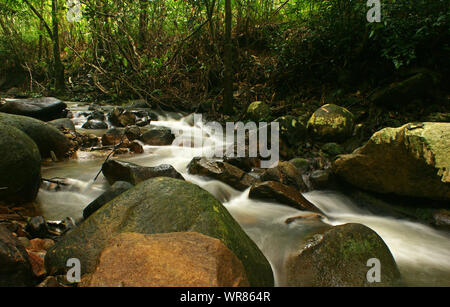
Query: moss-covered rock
x=159 y=205
x=338 y=257
x=20 y=166
x=332 y=149
x=331 y=123
x=46 y=137
x=413 y=160
x=258 y=110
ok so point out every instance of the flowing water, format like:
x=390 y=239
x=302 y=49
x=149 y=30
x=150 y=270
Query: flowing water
x=422 y=253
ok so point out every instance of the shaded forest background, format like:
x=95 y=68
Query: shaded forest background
x=290 y=53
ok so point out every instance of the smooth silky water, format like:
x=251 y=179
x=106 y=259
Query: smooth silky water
x=422 y=253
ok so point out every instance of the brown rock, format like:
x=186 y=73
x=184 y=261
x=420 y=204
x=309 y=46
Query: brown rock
x=285 y=173
x=136 y=147
x=221 y=171
x=15 y=268
x=182 y=259
x=272 y=190
x=40 y=244
x=114 y=136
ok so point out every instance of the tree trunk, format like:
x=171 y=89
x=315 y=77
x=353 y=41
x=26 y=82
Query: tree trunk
x=143 y=22
x=57 y=64
x=228 y=62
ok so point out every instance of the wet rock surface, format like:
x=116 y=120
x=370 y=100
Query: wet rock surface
x=45 y=108
x=115 y=170
x=338 y=257
x=159 y=205
x=275 y=191
x=182 y=259
x=221 y=171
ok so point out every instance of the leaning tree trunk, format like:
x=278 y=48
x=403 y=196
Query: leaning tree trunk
x=228 y=62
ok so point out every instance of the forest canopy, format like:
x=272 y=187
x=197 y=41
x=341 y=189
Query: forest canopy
x=174 y=53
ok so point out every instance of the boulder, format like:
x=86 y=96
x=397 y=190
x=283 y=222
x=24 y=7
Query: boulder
x=302 y=164
x=275 y=191
x=159 y=205
x=15 y=268
x=98 y=115
x=158 y=136
x=181 y=259
x=321 y=179
x=258 y=111
x=412 y=160
x=63 y=124
x=94 y=124
x=221 y=171
x=331 y=123
x=115 y=170
x=121 y=118
x=113 y=137
x=46 y=137
x=115 y=190
x=292 y=129
x=133 y=133
x=45 y=108
x=338 y=257
x=136 y=147
x=20 y=166
x=285 y=173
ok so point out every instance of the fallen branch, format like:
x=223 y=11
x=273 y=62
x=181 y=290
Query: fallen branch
x=109 y=156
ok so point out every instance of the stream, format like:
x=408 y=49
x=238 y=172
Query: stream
x=421 y=252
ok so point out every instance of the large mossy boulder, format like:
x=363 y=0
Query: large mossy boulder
x=20 y=166
x=159 y=205
x=258 y=111
x=47 y=137
x=412 y=160
x=338 y=257
x=331 y=123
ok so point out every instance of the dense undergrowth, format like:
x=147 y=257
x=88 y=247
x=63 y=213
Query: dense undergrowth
x=293 y=54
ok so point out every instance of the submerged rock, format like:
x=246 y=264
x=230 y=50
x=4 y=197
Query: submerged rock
x=181 y=259
x=275 y=191
x=46 y=137
x=45 y=108
x=20 y=166
x=15 y=268
x=159 y=205
x=338 y=257
x=413 y=160
x=331 y=122
x=221 y=171
x=115 y=170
